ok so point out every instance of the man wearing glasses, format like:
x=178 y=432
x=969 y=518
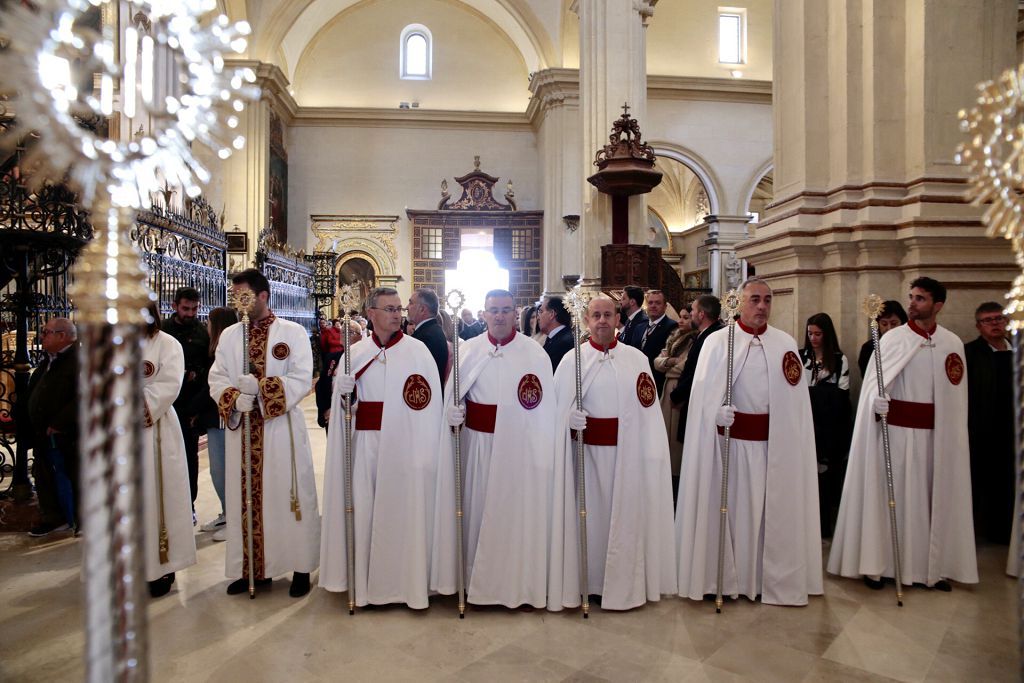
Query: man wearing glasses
x=53 y=413
x=990 y=423
x=396 y=426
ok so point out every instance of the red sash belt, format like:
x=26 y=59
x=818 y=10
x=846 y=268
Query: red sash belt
x=748 y=427
x=368 y=415
x=480 y=417
x=910 y=414
x=600 y=431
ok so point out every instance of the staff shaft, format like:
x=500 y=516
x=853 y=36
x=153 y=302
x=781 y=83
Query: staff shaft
x=581 y=484
x=460 y=561
x=724 y=499
x=350 y=543
x=890 y=489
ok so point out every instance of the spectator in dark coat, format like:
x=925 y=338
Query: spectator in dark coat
x=555 y=321
x=654 y=333
x=423 y=308
x=632 y=316
x=185 y=326
x=52 y=404
x=990 y=423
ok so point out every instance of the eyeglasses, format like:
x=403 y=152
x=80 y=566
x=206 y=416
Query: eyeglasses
x=992 y=320
x=390 y=310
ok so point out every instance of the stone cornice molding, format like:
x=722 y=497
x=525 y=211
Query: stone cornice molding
x=368 y=117
x=552 y=88
x=708 y=89
x=273 y=83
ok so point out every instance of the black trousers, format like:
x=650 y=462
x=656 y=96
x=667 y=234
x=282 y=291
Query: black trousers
x=191 y=436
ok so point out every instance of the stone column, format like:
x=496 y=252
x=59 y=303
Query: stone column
x=613 y=71
x=555 y=108
x=867 y=197
x=725 y=269
x=246 y=175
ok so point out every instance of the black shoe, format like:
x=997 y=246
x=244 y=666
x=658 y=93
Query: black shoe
x=161 y=586
x=46 y=528
x=300 y=584
x=242 y=585
x=595 y=599
x=942 y=585
x=874 y=584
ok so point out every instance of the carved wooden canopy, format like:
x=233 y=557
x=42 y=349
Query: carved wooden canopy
x=477 y=193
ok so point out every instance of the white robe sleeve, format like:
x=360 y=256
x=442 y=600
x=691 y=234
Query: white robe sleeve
x=161 y=388
x=280 y=393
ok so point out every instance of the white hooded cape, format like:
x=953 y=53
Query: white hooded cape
x=394 y=474
x=163 y=371
x=862 y=544
x=639 y=564
x=791 y=564
x=281 y=542
x=510 y=480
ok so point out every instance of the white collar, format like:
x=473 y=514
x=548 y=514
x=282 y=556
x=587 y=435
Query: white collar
x=555 y=331
x=634 y=313
x=655 y=322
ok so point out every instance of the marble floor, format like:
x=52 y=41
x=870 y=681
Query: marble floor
x=197 y=633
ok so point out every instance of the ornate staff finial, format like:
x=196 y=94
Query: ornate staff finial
x=872 y=306
x=454 y=300
x=731 y=304
x=349 y=298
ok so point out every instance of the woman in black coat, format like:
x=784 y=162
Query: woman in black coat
x=828 y=379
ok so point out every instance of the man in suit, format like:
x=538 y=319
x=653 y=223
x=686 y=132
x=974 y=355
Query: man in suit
x=470 y=326
x=632 y=316
x=655 y=332
x=52 y=404
x=423 y=314
x=705 y=312
x=554 y=320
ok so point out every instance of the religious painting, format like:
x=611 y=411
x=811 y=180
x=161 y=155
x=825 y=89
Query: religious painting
x=278 y=180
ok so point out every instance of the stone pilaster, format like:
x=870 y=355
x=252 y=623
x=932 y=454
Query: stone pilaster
x=866 y=193
x=613 y=71
x=725 y=269
x=554 y=109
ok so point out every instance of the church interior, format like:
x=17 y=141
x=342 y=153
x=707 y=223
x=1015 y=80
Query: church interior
x=473 y=144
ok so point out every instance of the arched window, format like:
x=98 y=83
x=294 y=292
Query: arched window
x=416 y=52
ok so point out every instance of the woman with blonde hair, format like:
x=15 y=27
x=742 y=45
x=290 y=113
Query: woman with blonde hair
x=671 y=361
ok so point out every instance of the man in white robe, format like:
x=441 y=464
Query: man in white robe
x=286 y=522
x=925 y=399
x=773 y=537
x=627 y=472
x=395 y=431
x=170 y=540
x=508 y=455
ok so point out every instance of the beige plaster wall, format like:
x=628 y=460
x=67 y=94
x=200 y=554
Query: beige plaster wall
x=730 y=140
x=349 y=170
x=354 y=60
x=682 y=39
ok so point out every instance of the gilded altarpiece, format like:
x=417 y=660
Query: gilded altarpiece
x=437 y=236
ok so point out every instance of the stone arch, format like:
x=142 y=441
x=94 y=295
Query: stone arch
x=695 y=163
x=295 y=23
x=751 y=186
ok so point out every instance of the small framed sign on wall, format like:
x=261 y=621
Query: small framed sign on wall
x=238 y=242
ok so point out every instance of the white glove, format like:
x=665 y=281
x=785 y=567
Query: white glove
x=245 y=403
x=456 y=415
x=725 y=416
x=577 y=419
x=248 y=384
x=345 y=383
x=881 y=405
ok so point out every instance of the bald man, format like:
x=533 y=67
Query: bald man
x=52 y=403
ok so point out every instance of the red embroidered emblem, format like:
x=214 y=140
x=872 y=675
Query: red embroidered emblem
x=148 y=369
x=530 y=391
x=646 y=392
x=280 y=351
x=954 y=369
x=416 y=392
x=792 y=370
